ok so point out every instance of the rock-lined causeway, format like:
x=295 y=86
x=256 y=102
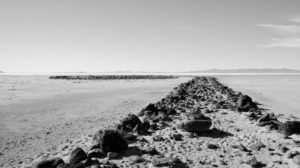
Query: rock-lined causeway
x=201 y=123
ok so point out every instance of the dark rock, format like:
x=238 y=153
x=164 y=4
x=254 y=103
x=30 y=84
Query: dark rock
x=142 y=128
x=133 y=150
x=129 y=123
x=176 y=137
x=270 y=120
x=110 y=141
x=196 y=115
x=129 y=136
x=150 y=151
x=94 y=164
x=253 y=116
x=253 y=162
x=284 y=149
x=171 y=112
x=290 y=128
x=51 y=163
x=96 y=153
x=77 y=156
x=195 y=125
x=245 y=103
x=212 y=146
x=177 y=163
x=150 y=107
x=291 y=154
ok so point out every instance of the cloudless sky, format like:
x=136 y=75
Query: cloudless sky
x=152 y=35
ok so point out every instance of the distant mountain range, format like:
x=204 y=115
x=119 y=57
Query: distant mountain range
x=266 y=70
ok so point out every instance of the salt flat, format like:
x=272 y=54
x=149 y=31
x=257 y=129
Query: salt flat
x=37 y=114
x=279 y=93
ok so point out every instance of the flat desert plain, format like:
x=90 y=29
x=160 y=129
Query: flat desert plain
x=38 y=114
x=278 y=93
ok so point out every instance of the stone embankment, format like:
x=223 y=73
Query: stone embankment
x=201 y=123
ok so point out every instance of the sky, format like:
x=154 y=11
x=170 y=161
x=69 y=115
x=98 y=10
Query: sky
x=153 y=35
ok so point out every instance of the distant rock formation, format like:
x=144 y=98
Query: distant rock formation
x=112 y=77
x=265 y=70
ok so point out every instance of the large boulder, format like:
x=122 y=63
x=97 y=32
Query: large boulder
x=77 y=156
x=110 y=140
x=270 y=120
x=129 y=123
x=289 y=128
x=150 y=107
x=51 y=163
x=195 y=125
x=142 y=128
x=245 y=103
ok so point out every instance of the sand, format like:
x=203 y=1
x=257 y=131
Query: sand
x=38 y=114
x=43 y=118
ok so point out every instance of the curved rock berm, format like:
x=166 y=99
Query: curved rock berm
x=201 y=123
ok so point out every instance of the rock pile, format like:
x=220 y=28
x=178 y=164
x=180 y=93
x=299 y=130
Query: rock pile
x=193 y=109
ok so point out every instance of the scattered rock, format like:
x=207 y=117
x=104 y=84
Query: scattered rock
x=96 y=153
x=176 y=137
x=291 y=154
x=150 y=151
x=51 y=163
x=186 y=104
x=212 y=146
x=110 y=141
x=253 y=162
x=142 y=128
x=290 y=128
x=77 y=156
x=195 y=125
x=246 y=104
x=270 y=120
x=129 y=123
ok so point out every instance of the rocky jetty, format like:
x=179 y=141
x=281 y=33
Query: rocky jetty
x=201 y=123
x=111 y=77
